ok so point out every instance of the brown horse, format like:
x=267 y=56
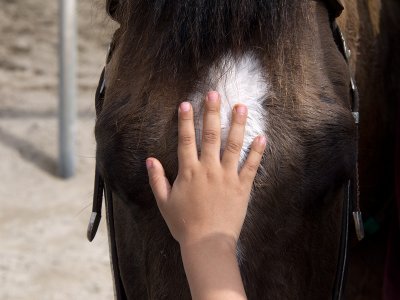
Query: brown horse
x=281 y=59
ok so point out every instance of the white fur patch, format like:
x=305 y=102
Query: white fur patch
x=237 y=81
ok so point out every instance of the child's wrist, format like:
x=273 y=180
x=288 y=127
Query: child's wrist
x=216 y=242
x=212 y=268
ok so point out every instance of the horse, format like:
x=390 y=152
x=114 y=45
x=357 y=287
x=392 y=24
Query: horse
x=282 y=59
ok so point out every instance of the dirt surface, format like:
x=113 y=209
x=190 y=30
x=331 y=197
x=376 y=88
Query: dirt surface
x=44 y=253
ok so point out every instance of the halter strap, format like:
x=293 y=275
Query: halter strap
x=351 y=204
x=95 y=217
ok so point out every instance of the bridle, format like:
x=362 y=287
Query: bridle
x=350 y=202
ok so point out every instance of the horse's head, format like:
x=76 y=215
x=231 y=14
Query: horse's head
x=163 y=51
x=278 y=54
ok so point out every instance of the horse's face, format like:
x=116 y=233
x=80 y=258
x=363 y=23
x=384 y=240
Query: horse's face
x=278 y=57
x=297 y=92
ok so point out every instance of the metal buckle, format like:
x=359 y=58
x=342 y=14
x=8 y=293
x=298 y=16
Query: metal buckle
x=358 y=223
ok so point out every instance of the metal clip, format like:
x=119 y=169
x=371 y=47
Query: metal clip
x=358 y=223
x=108 y=53
x=346 y=49
x=103 y=85
x=355 y=99
x=356 y=116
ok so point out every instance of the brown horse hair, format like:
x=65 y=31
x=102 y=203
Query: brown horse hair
x=191 y=35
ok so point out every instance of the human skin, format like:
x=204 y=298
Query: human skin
x=206 y=205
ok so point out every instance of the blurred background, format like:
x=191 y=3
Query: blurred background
x=44 y=253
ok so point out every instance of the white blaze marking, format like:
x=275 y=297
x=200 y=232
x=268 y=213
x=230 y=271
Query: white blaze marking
x=237 y=81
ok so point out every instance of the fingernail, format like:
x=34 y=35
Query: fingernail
x=185 y=106
x=149 y=163
x=212 y=96
x=262 y=140
x=241 y=109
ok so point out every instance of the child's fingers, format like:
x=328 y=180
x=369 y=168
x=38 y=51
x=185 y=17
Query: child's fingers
x=211 y=137
x=250 y=167
x=158 y=182
x=234 y=143
x=187 y=152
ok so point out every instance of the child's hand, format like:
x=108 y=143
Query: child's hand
x=209 y=197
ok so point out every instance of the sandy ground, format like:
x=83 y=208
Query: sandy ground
x=44 y=253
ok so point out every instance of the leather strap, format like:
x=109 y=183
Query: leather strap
x=97 y=204
x=341 y=269
x=351 y=203
x=98 y=180
x=99 y=190
x=119 y=289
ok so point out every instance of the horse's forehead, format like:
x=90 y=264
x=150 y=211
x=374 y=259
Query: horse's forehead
x=240 y=80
